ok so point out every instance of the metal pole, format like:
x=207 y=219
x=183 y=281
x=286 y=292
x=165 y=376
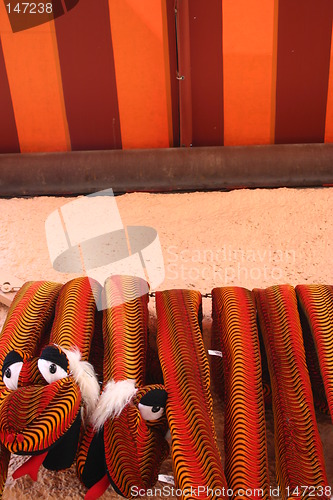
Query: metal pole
x=166 y=170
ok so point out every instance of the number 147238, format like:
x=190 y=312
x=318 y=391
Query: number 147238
x=29 y=8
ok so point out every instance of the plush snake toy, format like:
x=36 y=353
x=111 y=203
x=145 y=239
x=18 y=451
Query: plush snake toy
x=299 y=454
x=125 y=445
x=196 y=460
x=42 y=418
x=48 y=388
x=24 y=334
x=316 y=303
x=236 y=332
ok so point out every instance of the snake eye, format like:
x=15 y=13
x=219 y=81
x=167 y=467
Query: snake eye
x=51 y=371
x=149 y=412
x=53 y=368
x=11 y=370
x=53 y=364
x=152 y=404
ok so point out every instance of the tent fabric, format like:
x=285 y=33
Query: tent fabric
x=118 y=74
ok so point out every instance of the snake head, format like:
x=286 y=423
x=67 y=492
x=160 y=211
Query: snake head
x=151 y=402
x=33 y=418
x=126 y=440
x=45 y=392
x=18 y=370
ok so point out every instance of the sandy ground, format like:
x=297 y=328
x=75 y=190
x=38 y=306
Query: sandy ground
x=249 y=238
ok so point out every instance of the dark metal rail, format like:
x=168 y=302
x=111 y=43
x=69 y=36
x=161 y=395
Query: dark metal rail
x=166 y=170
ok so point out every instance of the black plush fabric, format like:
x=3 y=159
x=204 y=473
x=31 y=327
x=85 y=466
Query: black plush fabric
x=12 y=357
x=95 y=466
x=155 y=397
x=63 y=452
x=55 y=355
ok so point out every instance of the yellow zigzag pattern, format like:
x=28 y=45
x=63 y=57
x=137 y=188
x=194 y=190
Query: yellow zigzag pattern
x=196 y=459
x=234 y=322
x=317 y=303
x=299 y=454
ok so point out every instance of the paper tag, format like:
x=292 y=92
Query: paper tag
x=166 y=479
x=215 y=353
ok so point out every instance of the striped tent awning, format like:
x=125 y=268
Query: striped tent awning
x=120 y=74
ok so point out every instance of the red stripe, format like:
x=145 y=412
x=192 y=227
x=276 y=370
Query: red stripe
x=206 y=72
x=170 y=5
x=9 y=142
x=303 y=58
x=88 y=76
x=184 y=73
x=70 y=4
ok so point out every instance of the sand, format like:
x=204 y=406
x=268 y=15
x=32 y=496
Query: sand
x=249 y=238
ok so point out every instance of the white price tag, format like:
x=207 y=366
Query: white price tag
x=166 y=479
x=214 y=353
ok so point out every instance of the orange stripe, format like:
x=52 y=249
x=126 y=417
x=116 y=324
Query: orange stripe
x=329 y=108
x=248 y=46
x=35 y=83
x=137 y=36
